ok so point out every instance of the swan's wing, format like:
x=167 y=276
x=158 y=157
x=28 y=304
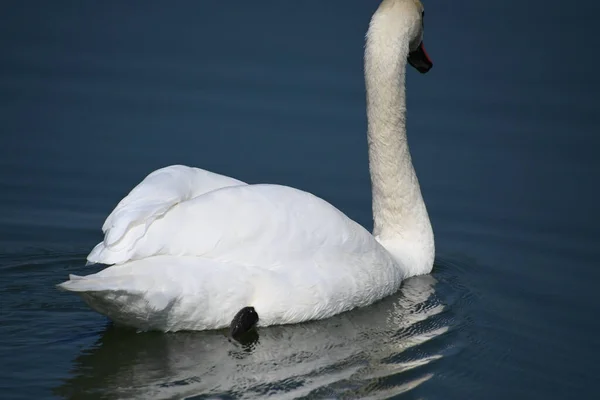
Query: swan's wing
x=153 y=197
x=261 y=225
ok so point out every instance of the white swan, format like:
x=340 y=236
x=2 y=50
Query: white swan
x=191 y=248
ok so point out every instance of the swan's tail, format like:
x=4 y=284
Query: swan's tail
x=97 y=284
x=122 y=300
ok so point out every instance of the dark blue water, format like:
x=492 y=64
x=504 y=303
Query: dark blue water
x=504 y=136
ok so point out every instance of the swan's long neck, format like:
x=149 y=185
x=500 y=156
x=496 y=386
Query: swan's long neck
x=401 y=222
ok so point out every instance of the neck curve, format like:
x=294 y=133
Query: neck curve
x=401 y=222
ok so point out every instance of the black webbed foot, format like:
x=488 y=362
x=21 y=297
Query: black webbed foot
x=243 y=323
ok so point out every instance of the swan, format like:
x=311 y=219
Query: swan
x=189 y=249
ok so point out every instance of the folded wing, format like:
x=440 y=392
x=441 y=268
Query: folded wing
x=152 y=199
x=258 y=225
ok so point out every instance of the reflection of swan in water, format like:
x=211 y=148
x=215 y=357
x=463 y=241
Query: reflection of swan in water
x=362 y=350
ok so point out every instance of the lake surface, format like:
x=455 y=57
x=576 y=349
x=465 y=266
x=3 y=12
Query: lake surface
x=504 y=136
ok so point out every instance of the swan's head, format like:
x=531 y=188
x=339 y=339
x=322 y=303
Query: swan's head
x=417 y=56
x=403 y=19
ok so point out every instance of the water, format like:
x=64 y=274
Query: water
x=503 y=132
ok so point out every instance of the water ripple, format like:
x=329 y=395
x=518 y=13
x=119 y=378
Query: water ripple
x=389 y=348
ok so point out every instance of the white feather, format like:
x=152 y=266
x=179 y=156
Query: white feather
x=151 y=199
x=173 y=293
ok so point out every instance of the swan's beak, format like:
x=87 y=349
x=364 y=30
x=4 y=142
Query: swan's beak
x=420 y=60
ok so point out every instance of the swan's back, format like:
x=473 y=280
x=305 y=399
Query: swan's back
x=270 y=226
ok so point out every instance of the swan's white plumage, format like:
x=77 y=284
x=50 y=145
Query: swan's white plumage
x=171 y=293
x=190 y=248
x=151 y=199
x=267 y=225
x=288 y=253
